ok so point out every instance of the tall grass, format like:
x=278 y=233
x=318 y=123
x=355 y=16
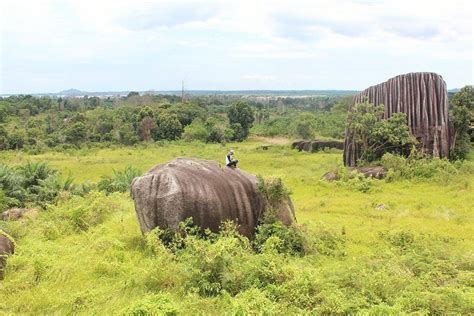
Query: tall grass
x=86 y=255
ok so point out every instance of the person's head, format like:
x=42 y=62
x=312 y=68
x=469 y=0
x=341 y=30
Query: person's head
x=231 y=152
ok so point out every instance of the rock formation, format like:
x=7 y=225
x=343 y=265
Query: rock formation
x=376 y=172
x=12 y=214
x=169 y=193
x=7 y=248
x=424 y=99
x=316 y=145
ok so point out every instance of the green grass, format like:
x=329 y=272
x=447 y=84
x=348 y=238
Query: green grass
x=87 y=255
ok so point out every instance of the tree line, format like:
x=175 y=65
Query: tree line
x=40 y=122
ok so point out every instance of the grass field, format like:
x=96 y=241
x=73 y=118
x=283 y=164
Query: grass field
x=414 y=255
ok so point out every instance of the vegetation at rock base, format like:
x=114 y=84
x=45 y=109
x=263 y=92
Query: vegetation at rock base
x=376 y=135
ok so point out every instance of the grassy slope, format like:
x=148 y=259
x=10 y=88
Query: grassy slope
x=107 y=268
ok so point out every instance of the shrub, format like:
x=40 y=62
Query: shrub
x=279 y=238
x=34 y=182
x=416 y=167
x=13 y=186
x=211 y=261
x=154 y=304
x=196 y=131
x=254 y=302
x=78 y=214
x=120 y=181
x=303 y=126
x=354 y=180
x=359 y=182
x=273 y=190
x=323 y=241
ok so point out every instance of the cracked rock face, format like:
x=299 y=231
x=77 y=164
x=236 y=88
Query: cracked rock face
x=423 y=97
x=171 y=192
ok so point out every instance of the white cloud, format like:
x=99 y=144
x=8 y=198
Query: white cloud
x=56 y=42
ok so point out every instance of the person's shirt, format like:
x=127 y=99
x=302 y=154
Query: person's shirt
x=228 y=159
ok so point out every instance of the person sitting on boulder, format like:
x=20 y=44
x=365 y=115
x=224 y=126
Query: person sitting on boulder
x=229 y=162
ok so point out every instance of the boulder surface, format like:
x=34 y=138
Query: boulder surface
x=7 y=248
x=172 y=192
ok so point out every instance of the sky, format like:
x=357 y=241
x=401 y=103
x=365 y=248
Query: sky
x=123 y=45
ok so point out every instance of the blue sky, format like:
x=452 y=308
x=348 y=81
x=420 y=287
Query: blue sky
x=48 y=46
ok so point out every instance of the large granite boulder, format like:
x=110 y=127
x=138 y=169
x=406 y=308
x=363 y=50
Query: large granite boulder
x=423 y=97
x=172 y=192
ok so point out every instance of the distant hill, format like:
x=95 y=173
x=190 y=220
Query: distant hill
x=72 y=92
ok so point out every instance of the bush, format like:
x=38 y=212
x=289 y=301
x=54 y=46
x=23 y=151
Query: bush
x=359 y=182
x=34 y=182
x=120 y=181
x=78 y=214
x=416 y=167
x=254 y=302
x=279 y=238
x=196 y=131
x=211 y=261
x=303 y=126
x=154 y=304
x=354 y=180
x=273 y=190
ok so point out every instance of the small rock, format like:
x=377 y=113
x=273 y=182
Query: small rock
x=12 y=214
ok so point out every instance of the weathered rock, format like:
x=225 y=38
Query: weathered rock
x=169 y=193
x=316 y=145
x=423 y=98
x=12 y=214
x=7 y=248
x=330 y=176
x=376 y=172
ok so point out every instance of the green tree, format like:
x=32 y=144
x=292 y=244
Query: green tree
x=197 y=130
x=133 y=94
x=169 y=127
x=462 y=108
x=16 y=139
x=3 y=138
x=187 y=112
x=303 y=126
x=76 y=133
x=147 y=124
x=126 y=134
x=376 y=135
x=240 y=116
